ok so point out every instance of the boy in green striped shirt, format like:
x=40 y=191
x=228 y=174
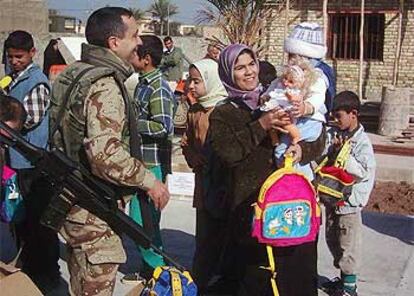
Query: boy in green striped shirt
x=155 y=125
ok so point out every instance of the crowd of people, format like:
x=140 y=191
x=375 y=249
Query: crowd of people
x=243 y=119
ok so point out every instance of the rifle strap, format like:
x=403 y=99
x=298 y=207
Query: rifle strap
x=64 y=106
x=146 y=213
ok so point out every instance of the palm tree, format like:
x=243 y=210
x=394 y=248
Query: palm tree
x=241 y=21
x=162 y=9
x=138 y=13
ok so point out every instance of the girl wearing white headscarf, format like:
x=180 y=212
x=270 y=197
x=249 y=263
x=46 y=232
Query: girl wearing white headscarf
x=205 y=86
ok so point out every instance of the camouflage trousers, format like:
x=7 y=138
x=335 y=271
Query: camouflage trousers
x=94 y=254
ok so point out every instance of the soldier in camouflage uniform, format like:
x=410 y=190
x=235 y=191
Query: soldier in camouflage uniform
x=97 y=129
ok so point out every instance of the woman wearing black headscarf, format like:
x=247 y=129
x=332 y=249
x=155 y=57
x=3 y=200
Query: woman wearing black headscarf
x=52 y=56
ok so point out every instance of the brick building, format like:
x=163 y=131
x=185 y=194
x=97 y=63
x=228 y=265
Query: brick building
x=380 y=41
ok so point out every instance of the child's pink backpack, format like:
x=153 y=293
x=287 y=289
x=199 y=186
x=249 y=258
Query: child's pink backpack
x=287 y=212
x=11 y=201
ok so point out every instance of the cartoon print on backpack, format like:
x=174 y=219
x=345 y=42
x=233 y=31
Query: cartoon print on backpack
x=288 y=216
x=274 y=225
x=286 y=220
x=300 y=215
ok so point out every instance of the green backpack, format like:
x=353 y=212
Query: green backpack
x=67 y=105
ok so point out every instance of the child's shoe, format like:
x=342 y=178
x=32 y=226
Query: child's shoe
x=133 y=278
x=343 y=292
x=332 y=285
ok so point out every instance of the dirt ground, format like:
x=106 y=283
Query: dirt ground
x=392 y=198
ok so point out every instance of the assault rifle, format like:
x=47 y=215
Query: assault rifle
x=71 y=184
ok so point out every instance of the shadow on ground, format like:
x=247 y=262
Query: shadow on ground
x=397 y=226
x=178 y=245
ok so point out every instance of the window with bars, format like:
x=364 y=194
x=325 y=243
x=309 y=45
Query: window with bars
x=343 y=39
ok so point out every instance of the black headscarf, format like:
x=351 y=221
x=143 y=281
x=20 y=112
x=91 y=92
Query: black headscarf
x=51 y=57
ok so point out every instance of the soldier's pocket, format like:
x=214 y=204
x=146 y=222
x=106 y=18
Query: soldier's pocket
x=108 y=249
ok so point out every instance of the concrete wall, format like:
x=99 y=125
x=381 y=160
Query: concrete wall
x=376 y=73
x=28 y=15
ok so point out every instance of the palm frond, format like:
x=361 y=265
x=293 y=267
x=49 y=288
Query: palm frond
x=241 y=21
x=138 y=13
x=162 y=8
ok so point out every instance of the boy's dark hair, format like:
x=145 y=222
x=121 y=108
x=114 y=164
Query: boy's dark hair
x=104 y=23
x=346 y=101
x=267 y=73
x=12 y=109
x=19 y=40
x=167 y=38
x=152 y=46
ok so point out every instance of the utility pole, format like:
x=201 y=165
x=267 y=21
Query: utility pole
x=168 y=19
x=398 y=47
x=361 y=49
x=325 y=22
x=285 y=33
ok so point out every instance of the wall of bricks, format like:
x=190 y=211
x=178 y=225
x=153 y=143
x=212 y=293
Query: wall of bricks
x=375 y=73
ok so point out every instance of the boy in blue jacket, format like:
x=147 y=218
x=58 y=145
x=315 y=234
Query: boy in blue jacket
x=343 y=221
x=40 y=245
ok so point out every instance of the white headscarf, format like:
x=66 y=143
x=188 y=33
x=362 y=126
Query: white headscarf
x=215 y=91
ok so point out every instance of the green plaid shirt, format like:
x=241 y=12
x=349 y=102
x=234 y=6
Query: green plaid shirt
x=155 y=123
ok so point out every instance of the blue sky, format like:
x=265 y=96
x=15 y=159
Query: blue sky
x=82 y=8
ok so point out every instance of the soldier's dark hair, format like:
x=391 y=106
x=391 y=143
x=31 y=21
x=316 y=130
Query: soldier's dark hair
x=19 y=40
x=12 y=110
x=168 y=38
x=152 y=46
x=346 y=101
x=104 y=23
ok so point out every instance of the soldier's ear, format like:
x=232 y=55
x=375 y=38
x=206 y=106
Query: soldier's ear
x=112 y=42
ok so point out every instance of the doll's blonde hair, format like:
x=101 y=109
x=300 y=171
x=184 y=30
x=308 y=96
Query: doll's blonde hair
x=309 y=77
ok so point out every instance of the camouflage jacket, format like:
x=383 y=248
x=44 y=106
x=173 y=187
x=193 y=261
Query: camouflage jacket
x=100 y=108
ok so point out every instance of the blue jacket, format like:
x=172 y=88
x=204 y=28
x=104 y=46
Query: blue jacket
x=38 y=135
x=361 y=164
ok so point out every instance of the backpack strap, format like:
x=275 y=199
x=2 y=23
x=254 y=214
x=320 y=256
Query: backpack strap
x=63 y=107
x=288 y=161
x=176 y=287
x=343 y=154
x=272 y=269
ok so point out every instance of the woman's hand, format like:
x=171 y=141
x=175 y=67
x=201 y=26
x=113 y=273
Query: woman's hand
x=294 y=97
x=274 y=119
x=298 y=109
x=302 y=108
